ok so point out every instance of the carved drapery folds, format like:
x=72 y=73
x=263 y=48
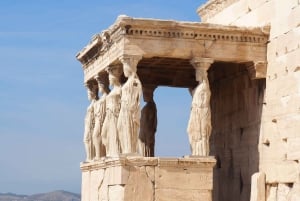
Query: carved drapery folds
x=113 y=102
x=99 y=116
x=129 y=117
x=113 y=122
x=89 y=121
x=199 y=125
x=148 y=123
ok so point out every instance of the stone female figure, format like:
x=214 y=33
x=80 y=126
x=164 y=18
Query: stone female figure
x=199 y=126
x=89 y=123
x=109 y=130
x=148 y=125
x=129 y=118
x=100 y=112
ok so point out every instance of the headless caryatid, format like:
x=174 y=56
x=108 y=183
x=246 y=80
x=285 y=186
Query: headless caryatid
x=89 y=122
x=199 y=125
x=100 y=112
x=129 y=118
x=148 y=123
x=113 y=104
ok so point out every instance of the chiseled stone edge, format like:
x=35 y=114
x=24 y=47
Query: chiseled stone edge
x=201 y=162
x=156 y=28
x=213 y=7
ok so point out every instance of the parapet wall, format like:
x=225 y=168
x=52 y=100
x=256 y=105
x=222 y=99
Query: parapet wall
x=279 y=143
x=148 y=178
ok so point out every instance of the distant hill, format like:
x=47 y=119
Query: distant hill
x=52 y=196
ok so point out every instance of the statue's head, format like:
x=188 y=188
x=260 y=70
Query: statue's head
x=102 y=80
x=114 y=73
x=92 y=91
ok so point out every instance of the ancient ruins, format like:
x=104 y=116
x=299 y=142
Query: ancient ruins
x=241 y=65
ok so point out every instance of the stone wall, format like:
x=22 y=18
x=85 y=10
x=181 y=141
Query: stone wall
x=279 y=144
x=148 y=179
x=236 y=112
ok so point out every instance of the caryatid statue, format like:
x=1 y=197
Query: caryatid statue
x=113 y=103
x=100 y=112
x=129 y=118
x=199 y=125
x=89 y=121
x=148 y=123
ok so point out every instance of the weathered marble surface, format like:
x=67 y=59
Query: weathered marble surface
x=199 y=125
x=113 y=102
x=148 y=178
x=159 y=53
x=278 y=146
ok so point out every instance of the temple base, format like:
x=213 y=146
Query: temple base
x=135 y=178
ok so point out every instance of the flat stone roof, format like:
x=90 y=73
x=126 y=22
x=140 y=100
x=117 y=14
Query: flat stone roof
x=167 y=46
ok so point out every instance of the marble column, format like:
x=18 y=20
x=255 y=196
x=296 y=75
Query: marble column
x=129 y=118
x=148 y=123
x=99 y=115
x=89 y=121
x=109 y=130
x=199 y=126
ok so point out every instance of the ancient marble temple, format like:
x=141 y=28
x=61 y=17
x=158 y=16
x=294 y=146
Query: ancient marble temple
x=123 y=66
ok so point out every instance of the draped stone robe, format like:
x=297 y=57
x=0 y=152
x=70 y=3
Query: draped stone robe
x=109 y=130
x=129 y=118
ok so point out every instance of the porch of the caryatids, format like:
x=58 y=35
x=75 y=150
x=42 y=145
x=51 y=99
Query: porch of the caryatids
x=199 y=125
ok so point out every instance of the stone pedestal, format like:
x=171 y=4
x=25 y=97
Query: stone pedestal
x=148 y=179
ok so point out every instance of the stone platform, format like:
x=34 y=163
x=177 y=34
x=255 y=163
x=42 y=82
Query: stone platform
x=134 y=178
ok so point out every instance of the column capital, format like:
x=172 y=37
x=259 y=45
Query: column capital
x=148 y=91
x=92 y=88
x=115 y=70
x=202 y=63
x=130 y=61
x=201 y=66
x=97 y=77
x=88 y=85
x=102 y=80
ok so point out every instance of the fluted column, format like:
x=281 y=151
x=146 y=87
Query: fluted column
x=129 y=118
x=199 y=126
x=148 y=123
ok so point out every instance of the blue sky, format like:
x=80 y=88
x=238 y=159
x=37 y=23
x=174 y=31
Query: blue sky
x=43 y=100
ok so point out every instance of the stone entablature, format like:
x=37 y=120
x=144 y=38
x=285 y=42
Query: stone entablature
x=184 y=40
x=134 y=178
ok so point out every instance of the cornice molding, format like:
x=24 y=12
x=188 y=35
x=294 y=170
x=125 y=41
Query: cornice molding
x=166 y=29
